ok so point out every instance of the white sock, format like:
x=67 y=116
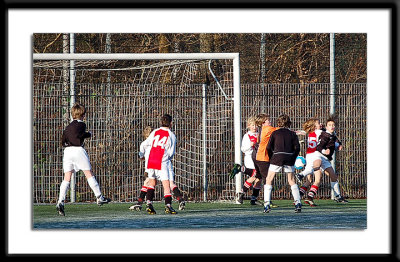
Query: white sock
x=94 y=186
x=296 y=193
x=267 y=194
x=63 y=191
x=336 y=188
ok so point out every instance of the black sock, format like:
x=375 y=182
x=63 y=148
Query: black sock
x=150 y=194
x=256 y=192
x=177 y=194
x=141 y=197
x=168 y=199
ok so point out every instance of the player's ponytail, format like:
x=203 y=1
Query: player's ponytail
x=309 y=125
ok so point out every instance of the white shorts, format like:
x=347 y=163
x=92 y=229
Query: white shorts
x=248 y=162
x=310 y=158
x=75 y=158
x=166 y=172
x=276 y=169
x=325 y=163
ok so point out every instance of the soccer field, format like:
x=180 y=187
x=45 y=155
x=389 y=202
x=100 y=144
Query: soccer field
x=327 y=215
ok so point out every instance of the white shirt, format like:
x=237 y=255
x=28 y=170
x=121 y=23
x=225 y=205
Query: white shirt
x=160 y=145
x=247 y=149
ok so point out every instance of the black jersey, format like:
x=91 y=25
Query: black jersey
x=328 y=141
x=74 y=134
x=283 y=147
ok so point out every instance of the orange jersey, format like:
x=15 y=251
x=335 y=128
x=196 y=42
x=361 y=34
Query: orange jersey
x=262 y=154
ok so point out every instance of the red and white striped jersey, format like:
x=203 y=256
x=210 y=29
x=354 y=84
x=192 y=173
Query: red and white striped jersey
x=247 y=149
x=162 y=144
x=312 y=141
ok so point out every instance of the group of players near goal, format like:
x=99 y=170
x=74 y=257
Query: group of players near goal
x=267 y=150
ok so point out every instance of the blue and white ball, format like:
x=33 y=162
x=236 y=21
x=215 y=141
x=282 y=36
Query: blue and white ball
x=300 y=163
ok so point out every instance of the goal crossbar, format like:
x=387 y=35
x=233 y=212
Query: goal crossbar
x=134 y=56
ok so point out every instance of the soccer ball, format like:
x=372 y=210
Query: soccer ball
x=300 y=162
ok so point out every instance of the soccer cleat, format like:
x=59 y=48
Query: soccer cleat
x=299 y=177
x=235 y=170
x=239 y=197
x=310 y=201
x=267 y=208
x=182 y=205
x=170 y=210
x=255 y=202
x=273 y=205
x=150 y=209
x=136 y=207
x=102 y=200
x=340 y=199
x=297 y=208
x=60 y=209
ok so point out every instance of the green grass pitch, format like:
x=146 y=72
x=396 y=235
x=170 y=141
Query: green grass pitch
x=327 y=215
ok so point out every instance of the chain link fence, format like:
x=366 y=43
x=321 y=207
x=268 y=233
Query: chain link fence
x=116 y=125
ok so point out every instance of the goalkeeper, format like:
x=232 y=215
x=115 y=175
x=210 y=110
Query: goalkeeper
x=260 y=155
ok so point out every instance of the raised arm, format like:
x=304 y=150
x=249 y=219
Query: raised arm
x=172 y=145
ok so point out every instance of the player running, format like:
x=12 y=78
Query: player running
x=329 y=143
x=76 y=158
x=312 y=128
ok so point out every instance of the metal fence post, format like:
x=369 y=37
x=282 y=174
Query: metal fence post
x=72 y=102
x=205 y=182
x=332 y=91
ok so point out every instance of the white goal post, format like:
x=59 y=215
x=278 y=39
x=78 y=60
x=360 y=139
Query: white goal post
x=234 y=57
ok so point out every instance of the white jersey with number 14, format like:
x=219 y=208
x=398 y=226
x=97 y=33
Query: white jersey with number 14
x=162 y=144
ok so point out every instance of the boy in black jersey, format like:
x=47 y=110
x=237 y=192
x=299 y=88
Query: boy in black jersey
x=75 y=157
x=283 y=148
x=327 y=145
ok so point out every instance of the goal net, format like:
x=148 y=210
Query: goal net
x=125 y=93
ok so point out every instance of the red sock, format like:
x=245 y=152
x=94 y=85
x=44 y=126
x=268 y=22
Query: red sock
x=313 y=191
x=246 y=186
x=303 y=190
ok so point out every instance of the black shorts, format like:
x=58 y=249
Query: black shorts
x=262 y=169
